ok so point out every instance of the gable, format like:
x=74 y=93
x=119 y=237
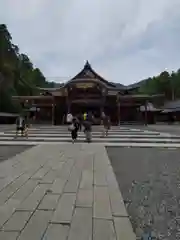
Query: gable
x=88 y=73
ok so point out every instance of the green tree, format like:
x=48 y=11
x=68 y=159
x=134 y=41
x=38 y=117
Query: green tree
x=165 y=83
x=17 y=73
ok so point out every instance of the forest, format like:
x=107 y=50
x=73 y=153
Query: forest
x=18 y=76
x=165 y=83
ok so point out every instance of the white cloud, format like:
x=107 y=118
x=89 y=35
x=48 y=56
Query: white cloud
x=125 y=41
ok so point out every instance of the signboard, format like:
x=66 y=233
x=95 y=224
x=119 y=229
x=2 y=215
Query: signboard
x=85 y=85
x=112 y=93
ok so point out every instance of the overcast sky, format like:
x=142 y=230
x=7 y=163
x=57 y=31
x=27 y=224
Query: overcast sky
x=124 y=40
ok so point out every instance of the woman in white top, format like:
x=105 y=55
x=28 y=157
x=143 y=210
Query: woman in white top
x=69 y=118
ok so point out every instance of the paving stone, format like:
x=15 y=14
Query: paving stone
x=124 y=229
x=32 y=170
x=58 y=186
x=73 y=181
x=32 y=201
x=8 y=191
x=7 y=210
x=56 y=232
x=5 y=181
x=49 y=202
x=30 y=162
x=36 y=226
x=86 y=180
x=62 y=158
x=79 y=162
x=49 y=177
x=88 y=162
x=103 y=230
x=84 y=198
x=111 y=179
x=8 y=235
x=17 y=221
x=117 y=203
x=41 y=172
x=54 y=162
x=64 y=210
x=66 y=169
x=25 y=190
x=57 y=166
x=81 y=226
x=6 y=169
x=101 y=160
x=101 y=207
x=100 y=178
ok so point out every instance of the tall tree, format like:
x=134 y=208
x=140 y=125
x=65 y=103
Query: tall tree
x=165 y=83
x=17 y=74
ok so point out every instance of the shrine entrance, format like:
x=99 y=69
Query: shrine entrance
x=81 y=107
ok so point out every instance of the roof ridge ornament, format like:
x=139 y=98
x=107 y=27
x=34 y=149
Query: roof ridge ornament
x=87 y=65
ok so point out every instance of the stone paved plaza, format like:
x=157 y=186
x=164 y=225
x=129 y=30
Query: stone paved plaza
x=66 y=191
x=57 y=190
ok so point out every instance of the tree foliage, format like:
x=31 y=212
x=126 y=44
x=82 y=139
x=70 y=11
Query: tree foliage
x=165 y=83
x=17 y=73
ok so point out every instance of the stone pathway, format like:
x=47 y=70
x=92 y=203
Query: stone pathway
x=61 y=192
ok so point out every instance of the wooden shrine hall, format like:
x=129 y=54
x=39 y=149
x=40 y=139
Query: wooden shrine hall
x=88 y=91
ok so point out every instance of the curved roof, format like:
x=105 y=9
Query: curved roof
x=88 y=73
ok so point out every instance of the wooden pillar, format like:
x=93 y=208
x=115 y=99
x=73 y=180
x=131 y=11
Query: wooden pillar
x=53 y=108
x=119 y=112
x=67 y=101
x=104 y=93
x=145 y=114
x=118 y=108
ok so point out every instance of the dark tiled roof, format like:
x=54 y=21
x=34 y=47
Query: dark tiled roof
x=119 y=86
x=88 y=72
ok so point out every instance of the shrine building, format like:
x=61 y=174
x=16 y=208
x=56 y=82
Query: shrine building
x=88 y=91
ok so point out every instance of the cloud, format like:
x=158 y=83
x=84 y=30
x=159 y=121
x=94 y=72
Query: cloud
x=125 y=41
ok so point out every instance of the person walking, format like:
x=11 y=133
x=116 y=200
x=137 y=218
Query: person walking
x=20 y=125
x=88 y=127
x=27 y=126
x=107 y=125
x=73 y=128
x=85 y=116
x=69 y=118
x=80 y=120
